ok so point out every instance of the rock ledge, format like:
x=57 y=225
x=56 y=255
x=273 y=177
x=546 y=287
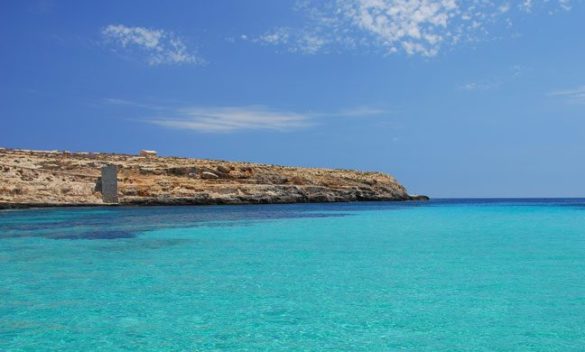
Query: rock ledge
x=51 y=178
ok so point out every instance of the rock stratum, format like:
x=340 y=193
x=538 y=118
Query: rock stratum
x=52 y=178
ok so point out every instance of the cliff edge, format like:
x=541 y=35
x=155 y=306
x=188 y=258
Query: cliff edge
x=53 y=178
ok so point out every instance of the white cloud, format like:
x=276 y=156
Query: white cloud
x=230 y=119
x=294 y=40
x=277 y=36
x=359 y=111
x=222 y=119
x=514 y=72
x=565 y=4
x=416 y=27
x=480 y=85
x=576 y=95
x=255 y=117
x=160 y=46
x=133 y=104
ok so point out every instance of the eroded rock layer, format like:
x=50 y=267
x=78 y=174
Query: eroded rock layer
x=43 y=178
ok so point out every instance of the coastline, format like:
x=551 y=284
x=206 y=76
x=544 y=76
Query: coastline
x=186 y=203
x=41 y=179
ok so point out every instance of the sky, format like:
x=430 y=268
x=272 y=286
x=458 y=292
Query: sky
x=474 y=98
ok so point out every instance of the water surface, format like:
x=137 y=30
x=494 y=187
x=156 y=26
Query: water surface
x=458 y=275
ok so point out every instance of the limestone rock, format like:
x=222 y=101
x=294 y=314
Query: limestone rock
x=206 y=175
x=37 y=178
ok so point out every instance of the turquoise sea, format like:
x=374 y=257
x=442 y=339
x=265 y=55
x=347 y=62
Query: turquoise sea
x=444 y=275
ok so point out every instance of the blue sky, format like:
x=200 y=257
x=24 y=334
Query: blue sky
x=454 y=98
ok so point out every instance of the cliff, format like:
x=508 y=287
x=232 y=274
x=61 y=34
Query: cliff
x=45 y=178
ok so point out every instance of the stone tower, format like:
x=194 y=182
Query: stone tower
x=110 y=184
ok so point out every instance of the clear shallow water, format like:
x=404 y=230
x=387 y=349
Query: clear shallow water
x=436 y=276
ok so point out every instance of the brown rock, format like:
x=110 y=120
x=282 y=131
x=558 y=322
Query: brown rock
x=54 y=178
x=206 y=175
x=224 y=169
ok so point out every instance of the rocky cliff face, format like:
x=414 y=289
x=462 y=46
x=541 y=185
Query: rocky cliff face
x=37 y=178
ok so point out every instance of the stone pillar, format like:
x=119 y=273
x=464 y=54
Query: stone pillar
x=110 y=184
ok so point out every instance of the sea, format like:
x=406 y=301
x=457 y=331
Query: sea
x=443 y=275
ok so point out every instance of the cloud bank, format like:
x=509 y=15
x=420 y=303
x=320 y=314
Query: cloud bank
x=415 y=27
x=159 y=46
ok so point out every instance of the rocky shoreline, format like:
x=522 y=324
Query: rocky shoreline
x=53 y=178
